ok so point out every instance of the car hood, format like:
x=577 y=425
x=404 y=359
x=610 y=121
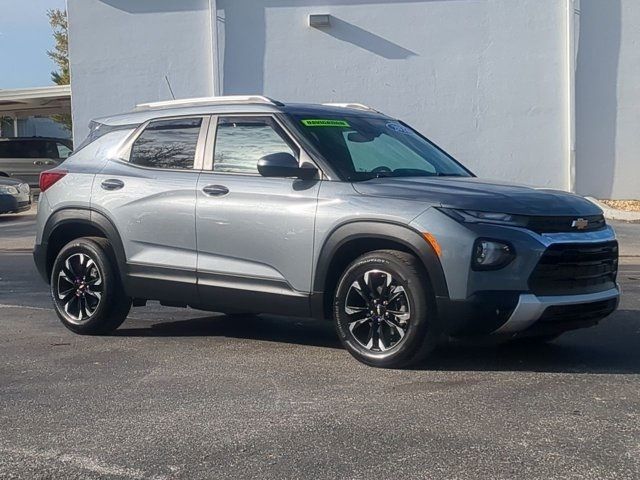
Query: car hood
x=470 y=193
x=10 y=181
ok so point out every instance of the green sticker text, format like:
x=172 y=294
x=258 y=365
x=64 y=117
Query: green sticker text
x=318 y=122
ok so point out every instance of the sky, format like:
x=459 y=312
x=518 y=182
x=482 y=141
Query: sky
x=25 y=37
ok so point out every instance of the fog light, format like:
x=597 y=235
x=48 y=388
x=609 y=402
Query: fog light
x=491 y=254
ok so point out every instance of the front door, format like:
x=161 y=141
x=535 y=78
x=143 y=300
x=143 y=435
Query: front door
x=151 y=199
x=255 y=234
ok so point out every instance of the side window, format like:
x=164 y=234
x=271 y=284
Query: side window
x=63 y=150
x=29 y=149
x=242 y=141
x=51 y=150
x=5 y=149
x=167 y=144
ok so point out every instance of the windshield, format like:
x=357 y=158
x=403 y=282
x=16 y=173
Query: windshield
x=366 y=147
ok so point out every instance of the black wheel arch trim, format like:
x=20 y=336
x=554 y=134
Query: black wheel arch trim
x=78 y=215
x=383 y=230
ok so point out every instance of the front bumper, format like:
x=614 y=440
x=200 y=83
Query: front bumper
x=557 y=282
x=559 y=312
x=507 y=313
x=14 y=204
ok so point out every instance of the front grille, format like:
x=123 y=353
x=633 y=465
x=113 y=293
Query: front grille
x=571 y=269
x=564 y=224
x=580 y=312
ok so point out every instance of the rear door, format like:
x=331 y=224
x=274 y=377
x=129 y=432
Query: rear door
x=255 y=234
x=150 y=198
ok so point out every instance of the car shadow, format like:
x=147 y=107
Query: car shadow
x=612 y=347
x=12 y=217
x=297 y=331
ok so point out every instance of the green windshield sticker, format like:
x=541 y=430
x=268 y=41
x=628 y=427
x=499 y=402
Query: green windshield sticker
x=317 y=122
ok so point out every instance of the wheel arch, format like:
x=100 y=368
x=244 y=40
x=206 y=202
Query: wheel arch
x=68 y=224
x=348 y=241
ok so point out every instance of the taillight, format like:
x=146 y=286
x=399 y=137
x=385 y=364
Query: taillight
x=50 y=177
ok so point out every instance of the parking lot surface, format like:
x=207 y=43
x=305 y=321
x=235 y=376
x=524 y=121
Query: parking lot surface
x=183 y=394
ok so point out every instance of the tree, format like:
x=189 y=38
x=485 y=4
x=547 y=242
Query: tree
x=60 y=55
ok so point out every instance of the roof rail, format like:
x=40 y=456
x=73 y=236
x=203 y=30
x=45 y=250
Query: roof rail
x=221 y=100
x=357 y=106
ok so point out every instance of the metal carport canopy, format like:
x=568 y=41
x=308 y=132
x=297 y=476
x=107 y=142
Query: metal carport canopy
x=26 y=102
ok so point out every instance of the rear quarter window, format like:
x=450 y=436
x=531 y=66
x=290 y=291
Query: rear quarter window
x=167 y=144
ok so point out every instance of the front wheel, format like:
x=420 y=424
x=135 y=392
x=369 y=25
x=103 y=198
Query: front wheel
x=85 y=287
x=384 y=310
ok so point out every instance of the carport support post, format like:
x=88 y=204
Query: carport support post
x=15 y=126
x=572 y=38
x=216 y=88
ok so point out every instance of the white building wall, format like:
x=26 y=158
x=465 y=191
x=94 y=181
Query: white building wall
x=484 y=79
x=121 y=51
x=608 y=99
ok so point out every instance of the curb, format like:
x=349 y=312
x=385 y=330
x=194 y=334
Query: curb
x=614 y=214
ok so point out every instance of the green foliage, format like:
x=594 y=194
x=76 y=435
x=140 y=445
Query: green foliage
x=60 y=55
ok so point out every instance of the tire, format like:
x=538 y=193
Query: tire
x=405 y=328
x=86 y=289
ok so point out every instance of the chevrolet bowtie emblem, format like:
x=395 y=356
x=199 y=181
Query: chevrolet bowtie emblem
x=580 y=223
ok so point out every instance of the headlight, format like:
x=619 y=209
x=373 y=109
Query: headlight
x=491 y=254
x=8 y=189
x=474 y=216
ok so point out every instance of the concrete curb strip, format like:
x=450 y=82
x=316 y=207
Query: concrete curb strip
x=614 y=214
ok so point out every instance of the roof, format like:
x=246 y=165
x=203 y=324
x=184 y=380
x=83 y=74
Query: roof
x=231 y=105
x=23 y=102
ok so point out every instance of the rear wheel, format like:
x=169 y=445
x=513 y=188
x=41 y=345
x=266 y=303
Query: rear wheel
x=384 y=310
x=85 y=287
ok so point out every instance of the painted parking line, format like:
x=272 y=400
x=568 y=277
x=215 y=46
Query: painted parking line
x=5 y=305
x=43 y=309
x=89 y=464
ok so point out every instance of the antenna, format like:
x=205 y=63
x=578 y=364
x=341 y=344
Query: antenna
x=169 y=85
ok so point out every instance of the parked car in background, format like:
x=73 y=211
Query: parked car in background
x=25 y=157
x=15 y=196
x=247 y=205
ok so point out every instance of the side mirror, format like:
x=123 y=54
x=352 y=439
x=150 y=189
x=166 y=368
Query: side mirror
x=283 y=164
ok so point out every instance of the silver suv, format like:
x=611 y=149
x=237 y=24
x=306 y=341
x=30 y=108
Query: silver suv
x=245 y=205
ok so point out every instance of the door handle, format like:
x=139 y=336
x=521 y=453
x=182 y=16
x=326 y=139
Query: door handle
x=112 y=184
x=38 y=162
x=215 y=190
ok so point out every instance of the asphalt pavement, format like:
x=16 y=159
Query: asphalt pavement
x=183 y=394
